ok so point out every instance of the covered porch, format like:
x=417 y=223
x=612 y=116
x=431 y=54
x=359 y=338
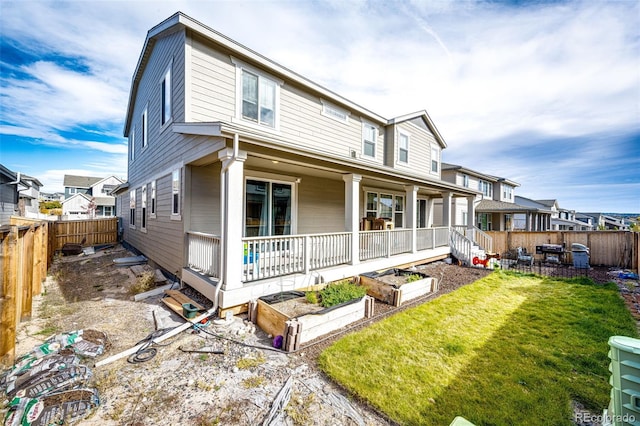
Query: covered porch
x=259 y=221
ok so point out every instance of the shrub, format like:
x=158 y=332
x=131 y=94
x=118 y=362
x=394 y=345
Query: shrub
x=414 y=277
x=340 y=292
x=312 y=297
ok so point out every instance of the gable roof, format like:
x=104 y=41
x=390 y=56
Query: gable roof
x=80 y=181
x=449 y=166
x=180 y=21
x=427 y=120
x=74 y=196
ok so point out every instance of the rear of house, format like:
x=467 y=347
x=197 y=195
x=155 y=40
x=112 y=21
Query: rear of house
x=246 y=179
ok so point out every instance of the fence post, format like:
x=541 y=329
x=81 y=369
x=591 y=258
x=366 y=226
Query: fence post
x=8 y=302
x=27 y=274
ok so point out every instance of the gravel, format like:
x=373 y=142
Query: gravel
x=202 y=387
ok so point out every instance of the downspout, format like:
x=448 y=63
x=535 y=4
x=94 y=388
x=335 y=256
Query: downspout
x=223 y=214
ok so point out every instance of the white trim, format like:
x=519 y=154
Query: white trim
x=272 y=178
x=167 y=72
x=154 y=198
x=408 y=136
x=132 y=200
x=439 y=160
x=144 y=125
x=143 y=208
x=132 y=146
x=366 y=123
x=238 y=118
x=188 y=89
x=176 y=215
x=337 y=111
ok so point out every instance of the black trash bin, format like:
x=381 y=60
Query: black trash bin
x=580 y=254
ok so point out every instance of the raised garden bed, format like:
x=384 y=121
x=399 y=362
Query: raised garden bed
x=292 y=320
x=396 y=286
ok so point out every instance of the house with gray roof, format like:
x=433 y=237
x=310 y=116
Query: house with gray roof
x=89 y=197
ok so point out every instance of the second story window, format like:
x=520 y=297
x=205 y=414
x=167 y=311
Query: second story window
x=166 y=97
x=403 y=148
x=435 y=160
x=132 y=145
x=465 y=181
x=258 y=99
x=143 y=128
x=486 y=188
x=175 y=193
x=507 y=192
x=369 y=133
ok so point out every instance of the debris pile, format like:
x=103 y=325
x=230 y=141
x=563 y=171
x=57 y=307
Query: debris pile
x=629 y=286
x=48 y=385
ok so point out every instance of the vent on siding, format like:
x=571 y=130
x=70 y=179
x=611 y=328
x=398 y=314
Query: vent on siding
x=353 y=153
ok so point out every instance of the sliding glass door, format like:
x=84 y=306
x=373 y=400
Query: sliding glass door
x=268 y=208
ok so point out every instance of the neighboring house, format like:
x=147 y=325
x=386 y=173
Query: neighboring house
x=535 y=217
x=52 y=196
x=495 y=208
x=586 y=222
x=29 y=197
x=564 y=219
x=247 y=179
x=9 y=188
x=606 y=222
x=97 y=200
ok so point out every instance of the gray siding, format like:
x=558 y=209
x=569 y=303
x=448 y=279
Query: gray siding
x=320 y=205
x=205 y=199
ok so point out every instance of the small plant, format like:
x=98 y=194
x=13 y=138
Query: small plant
x=145 y=282
x=413 y=277
x=339 y=292
x=249 y=362
x=298 y=409
x=253 y=382
x=312 y=297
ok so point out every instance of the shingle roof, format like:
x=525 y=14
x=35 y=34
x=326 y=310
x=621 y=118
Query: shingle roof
x=80 y=181
x=501 y=206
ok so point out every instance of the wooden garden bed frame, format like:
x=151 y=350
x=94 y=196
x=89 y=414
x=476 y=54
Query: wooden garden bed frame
x=395 y=296
x=301 y=329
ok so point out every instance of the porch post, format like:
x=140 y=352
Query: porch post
x=412 y=215
x=351 y=213
x=446 y=209
x=471 y=214
x=231 y=190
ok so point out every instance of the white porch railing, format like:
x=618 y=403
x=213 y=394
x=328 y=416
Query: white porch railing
x=204 y=253
x=266 y=257
x=461 y=247
x=478 y=236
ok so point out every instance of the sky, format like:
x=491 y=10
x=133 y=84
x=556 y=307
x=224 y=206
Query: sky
x=543 y=93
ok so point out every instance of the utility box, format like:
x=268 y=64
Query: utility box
x=580 y=254
x=624 y=353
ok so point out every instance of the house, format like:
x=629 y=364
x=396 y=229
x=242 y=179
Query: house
x=51 y=196
x=564 y=219
x=246 y=179
x=496 y=207
x=9 y=190
x=89 y=197
x=29 y=197
x=605 y=222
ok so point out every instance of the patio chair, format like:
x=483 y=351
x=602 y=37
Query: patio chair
x=523 y=257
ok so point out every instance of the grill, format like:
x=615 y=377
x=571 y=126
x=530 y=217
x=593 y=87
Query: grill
x=553 y=253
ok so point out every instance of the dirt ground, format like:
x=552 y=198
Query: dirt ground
x=233 y=378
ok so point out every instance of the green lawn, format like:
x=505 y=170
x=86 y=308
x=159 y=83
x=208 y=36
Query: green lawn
x=507 y=349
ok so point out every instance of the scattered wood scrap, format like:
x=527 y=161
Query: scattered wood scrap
x=175 y=299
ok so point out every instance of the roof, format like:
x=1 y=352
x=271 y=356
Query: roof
x=32 y=179
x=500 y=206
x=80 y=181
x=86 y=197
x=180 y=21
x=449 y=166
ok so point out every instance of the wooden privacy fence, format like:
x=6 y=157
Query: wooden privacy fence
x=27 y=248
x=609 y=248
x=96 y=231
x=24 y=261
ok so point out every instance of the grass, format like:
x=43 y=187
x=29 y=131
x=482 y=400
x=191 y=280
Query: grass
x=507 y=349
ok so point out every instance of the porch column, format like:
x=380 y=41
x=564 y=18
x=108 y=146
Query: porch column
x=231 y=190
x=446 y=209
x=528 y=221
x=352 y=213
x=412 y=214
x=471 y=214
x=430 y=204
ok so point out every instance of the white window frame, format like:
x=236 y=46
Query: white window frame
x=335 y=113
x=394 y=195
x=507 y=192
x=132 y=146
x=132 y=209
x=154 y=206
x=175 y=192
x=111 y=211
x=144 y=127
x=166 y=97
x=241 y=67
x=465 y=180
x=406 y=135
x=365 y=126
x=271 y=179
x=435 y=161
x=143 y=201
x=486 y=188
